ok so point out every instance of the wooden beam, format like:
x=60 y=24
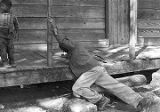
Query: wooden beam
x=106 y=18
x=49 y=38
x=25 y=75
x=133 y=28
x=118 y=21
x=112 y=9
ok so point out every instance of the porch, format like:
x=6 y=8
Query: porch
x=104 y=27
x=32 y=66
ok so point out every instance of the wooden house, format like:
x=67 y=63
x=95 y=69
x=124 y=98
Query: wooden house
x=106 y=27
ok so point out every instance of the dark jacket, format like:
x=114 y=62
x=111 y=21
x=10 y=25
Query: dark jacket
x=80 y=60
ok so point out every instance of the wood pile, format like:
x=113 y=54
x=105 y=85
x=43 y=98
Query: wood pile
x=71 y=104
x=137 y=82
x=68 y=103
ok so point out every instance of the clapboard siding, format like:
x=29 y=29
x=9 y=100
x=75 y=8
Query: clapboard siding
x=63 y=23
x=32 y=36
x=29 y=1
x=81 y=20
x=148 y=14
x=43 y=46
x=148 y=24
x=149 y=33
x=34 y=29
x=30 y=10
x=32 y=23
x=39 y=36
x=78 y=11
x=79 y=2
x=149 y=21
x=63 y=2
x=40 y=10
x=148 y=4
x=81 y=23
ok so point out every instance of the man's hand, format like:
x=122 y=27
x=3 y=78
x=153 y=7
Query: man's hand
x=53 y=27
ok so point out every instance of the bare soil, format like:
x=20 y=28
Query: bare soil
x=16 y=99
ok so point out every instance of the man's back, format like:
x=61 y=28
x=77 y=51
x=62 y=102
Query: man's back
x=81 y=60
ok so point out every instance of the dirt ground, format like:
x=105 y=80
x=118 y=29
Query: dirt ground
x=42 y=98
x=39 y=98
x=16 y=99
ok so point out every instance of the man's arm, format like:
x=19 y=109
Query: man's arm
x=16 y=24
x=16 y=27
x=64 y=42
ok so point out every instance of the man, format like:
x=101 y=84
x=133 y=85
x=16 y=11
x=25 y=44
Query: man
x=8 y=30
x=89 y=71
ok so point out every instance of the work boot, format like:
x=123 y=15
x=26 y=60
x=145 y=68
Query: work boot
x=103 y=103
x=147 y=104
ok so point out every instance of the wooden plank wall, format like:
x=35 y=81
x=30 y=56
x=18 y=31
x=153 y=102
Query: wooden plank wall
x=118 y=22
x=81 y=20
x=149 y=21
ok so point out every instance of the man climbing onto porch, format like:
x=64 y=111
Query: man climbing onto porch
x=89 y=71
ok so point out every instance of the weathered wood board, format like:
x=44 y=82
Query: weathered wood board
x=118 y=24
x=39 y=36
x=148 y=21
x=63 y=2
x=91 y=15
x=82 y=21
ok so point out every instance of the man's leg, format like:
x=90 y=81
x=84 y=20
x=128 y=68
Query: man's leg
x=83 y=84
x=10 y=51
x=3 y=52
x=120 y=90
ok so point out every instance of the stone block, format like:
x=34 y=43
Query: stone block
x=53 y=104
x=157 y=91
x=132 y=81
x=79 y=105
x=155 y=107
x=155 y=79
x=153 y=94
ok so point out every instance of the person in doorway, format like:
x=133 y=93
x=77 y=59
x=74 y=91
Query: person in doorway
x=8 y=31
x=89 y=71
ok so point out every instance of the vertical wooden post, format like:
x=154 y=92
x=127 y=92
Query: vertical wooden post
x=49 y=38
x=106 y=18
x=118 y=22
x=113 y=20
x=133 y=28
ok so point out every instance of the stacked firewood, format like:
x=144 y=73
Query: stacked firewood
x=138 y=82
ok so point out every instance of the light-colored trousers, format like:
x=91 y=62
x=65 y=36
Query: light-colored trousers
x=99 y=76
